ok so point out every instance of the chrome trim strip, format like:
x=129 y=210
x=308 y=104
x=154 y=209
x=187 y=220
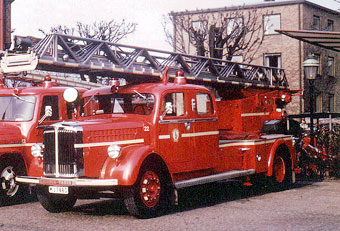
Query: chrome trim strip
x=232 y=143
x=88 y=145
x=56 y=144
x=246 y=142
x=177 y=121
x=195 y=134
x=163 y=137
x=17 y=145
x=66 y=181
x=254 y=114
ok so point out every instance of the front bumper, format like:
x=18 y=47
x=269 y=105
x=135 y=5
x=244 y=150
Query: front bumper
x=77 y=182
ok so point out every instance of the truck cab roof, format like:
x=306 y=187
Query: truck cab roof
x=155 y=88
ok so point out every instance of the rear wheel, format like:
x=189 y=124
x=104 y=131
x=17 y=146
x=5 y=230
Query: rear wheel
x=55 y=203
x=282 y=172
x=148 y=197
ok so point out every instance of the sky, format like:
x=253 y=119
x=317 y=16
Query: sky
x=28 y=16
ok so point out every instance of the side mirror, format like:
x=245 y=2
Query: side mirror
x=48 y=113
x=168 y=110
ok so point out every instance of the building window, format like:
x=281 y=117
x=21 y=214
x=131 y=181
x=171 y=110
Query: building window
x=272 y=60
x=271 y=23
x=233 y=24
x=200 y=26
x=330 y=25
x=331 y=103
x=330 y=66
x=318 y=103
x=316 y=22
x=237 y=58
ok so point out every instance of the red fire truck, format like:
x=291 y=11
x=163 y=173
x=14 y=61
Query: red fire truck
x=144 y=141
x=24 y=113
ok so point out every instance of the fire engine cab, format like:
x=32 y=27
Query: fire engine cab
x=24 y=113
x=145 y=140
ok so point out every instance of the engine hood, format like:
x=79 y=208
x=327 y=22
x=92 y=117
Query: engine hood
x=108 y=129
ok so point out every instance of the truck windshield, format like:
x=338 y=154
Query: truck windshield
x=135 y=103
x=16 y=108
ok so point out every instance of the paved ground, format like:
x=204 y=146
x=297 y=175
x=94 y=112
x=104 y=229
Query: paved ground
x=221 y=206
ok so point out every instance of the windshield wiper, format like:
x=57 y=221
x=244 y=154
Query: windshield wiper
x=143 y=96
x=91 y=98
x=22 y=99
x=3 y=115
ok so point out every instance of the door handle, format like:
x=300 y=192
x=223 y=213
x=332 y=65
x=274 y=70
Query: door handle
x=187 y=126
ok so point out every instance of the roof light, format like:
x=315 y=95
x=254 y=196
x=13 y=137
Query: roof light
x=47 y=82
x=114 y=85
x=180 y=79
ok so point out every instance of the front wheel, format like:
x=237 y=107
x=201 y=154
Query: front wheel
x=148 y=197
x=10 y=190
x=55 y=203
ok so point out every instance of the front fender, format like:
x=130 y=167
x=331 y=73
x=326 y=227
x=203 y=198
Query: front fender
x=126 y=168
x=273 y=150
x=35 y=168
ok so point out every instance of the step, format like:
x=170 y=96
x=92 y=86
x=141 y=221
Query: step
x=213 y=178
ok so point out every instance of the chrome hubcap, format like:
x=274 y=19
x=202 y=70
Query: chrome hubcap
x=8 y=183
x=150 y=189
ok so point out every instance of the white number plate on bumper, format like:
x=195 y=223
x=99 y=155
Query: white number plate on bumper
x=58 y=190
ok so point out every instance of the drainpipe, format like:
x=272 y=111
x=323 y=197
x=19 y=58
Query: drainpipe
x=300 y=58
x=2 y=25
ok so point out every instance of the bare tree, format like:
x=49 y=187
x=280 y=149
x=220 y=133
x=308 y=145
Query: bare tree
x=111 y=31
x=221 y=34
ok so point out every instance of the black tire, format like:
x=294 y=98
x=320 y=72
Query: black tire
x=282 y=171
x=55 y=203
x=149 y=197
x=10 y=190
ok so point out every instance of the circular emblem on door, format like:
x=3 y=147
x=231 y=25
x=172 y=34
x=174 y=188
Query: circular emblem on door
x=175 y=135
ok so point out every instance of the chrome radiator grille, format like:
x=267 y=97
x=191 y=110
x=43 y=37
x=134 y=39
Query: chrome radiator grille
x=61 y=159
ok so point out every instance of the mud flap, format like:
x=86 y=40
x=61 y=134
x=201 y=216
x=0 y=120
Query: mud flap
x=293 y=177
x=173 y=196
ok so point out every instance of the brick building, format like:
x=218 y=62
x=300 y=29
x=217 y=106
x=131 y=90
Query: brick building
x=5 y=24
x=284 y=52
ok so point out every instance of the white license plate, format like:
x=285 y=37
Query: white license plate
x=58 y=190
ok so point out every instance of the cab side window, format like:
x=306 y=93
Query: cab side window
x=173 y=104
x=204 y=104
x=51 y=101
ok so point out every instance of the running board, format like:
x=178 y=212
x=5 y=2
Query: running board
x=213 y=178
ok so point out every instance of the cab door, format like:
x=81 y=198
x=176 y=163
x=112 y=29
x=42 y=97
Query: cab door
x=176 y=149
x=204 y=126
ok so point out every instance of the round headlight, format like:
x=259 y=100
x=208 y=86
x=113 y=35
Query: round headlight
x=36 y=150
x=113 y=151
x=70 y=95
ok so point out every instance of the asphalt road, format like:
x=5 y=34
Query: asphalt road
x=221 y=206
